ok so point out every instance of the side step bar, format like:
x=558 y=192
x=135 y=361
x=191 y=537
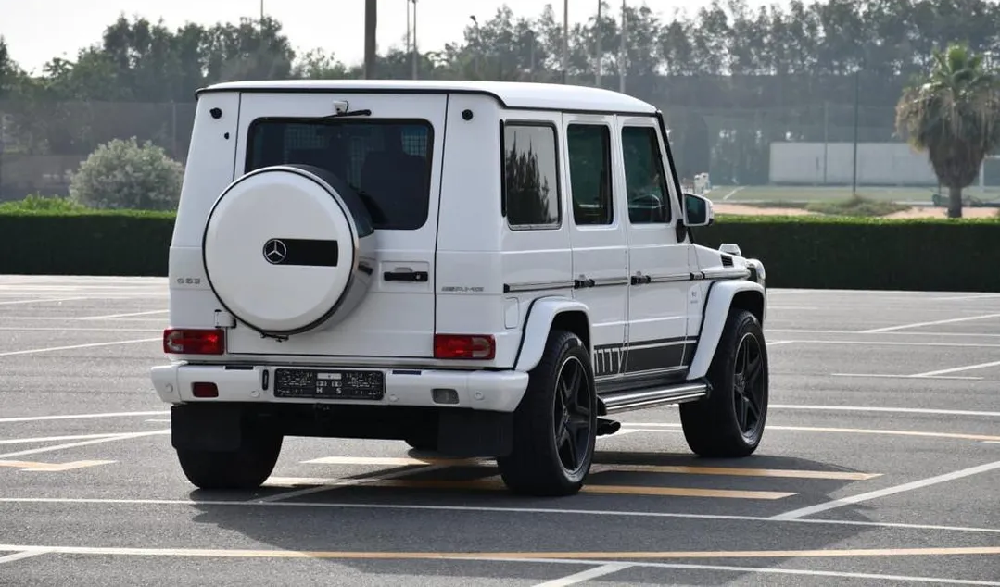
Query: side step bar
x=622 y=401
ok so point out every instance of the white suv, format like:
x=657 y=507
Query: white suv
x=478 y=269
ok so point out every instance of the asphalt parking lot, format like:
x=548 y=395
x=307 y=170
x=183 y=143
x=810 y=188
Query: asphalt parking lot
x=880 y=465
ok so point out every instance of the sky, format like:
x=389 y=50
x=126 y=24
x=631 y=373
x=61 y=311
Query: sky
x=38 y=30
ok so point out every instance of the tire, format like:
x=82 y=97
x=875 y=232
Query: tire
x=242 y=469
x=714 y=426
x=541 y=462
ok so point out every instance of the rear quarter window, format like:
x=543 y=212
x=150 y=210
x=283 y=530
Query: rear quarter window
x=388 y=162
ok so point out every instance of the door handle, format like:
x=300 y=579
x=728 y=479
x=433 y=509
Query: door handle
x=641 y=279
x=418 y=276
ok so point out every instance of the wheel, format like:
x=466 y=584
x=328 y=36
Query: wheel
x=730 y=421
x=555 y=426
x=244 y=468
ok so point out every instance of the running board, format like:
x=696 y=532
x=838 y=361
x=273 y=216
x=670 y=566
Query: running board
x=622 y=401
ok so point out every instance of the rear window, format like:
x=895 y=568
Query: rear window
x=388 y=162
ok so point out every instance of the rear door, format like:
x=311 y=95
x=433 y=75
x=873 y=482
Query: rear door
x=396 y=318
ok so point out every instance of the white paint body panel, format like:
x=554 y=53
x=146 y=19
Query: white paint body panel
x=715 y=315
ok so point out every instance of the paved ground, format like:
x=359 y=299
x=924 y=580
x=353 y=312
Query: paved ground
x=881 y=465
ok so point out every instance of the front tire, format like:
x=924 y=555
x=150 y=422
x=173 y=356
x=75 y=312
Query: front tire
x=555 y=426
x=730 y=421
x=242 y=469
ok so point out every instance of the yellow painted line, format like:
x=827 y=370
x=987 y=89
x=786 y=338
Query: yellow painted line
x=731 y=471
x=52 y=467
x=393 y=461
x=655 y=427
x=739 y=472
x=680 y=554
x=495 y=484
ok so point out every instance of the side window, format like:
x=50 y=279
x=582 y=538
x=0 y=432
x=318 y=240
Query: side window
x=589 y=147
x=645 y=178
x=530 y=176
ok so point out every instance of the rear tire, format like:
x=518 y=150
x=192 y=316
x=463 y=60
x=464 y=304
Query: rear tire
x=730 y=421
x=555 y=425
x=244 y=468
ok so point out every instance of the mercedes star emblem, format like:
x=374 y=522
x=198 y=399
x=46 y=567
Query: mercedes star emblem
x=275 y=251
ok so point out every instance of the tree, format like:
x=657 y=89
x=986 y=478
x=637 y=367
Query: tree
x=954 y=115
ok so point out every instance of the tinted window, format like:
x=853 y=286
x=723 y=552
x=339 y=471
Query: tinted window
x=589 y=147
x=530 y=176
x=388 y=162
x=648 y=198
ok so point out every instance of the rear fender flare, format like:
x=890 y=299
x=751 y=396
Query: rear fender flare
x=720 y=299
x=537 y=325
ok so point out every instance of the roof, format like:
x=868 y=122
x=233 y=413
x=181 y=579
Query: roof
x=521 y=95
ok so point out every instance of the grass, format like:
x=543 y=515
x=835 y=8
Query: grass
x=856 y=206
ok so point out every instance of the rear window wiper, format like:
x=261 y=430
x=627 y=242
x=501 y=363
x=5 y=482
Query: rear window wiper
x=365 y=112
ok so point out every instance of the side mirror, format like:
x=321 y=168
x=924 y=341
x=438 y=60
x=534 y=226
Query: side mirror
x=698 y=210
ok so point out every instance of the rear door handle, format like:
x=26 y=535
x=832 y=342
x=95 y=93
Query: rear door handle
x=418 y=276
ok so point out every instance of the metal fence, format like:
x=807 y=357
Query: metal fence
x=43 y=143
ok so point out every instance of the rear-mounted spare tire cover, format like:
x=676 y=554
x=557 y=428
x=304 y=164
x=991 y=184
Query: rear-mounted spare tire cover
x=288 y=249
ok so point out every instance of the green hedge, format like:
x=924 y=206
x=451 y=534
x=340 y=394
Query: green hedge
x=800 y=252
x=872 y=254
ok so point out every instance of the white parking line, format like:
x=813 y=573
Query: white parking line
x=891 y=343
x=886 y=376
x=127 y=436
x=40 y=301
x=931 y=323
x=955 y=369
x=587 y=575
x=129 y=315
x=488 y=509
x=893 y=332
x=670 y=427
x=733 y=193
x=888 y=409
x=26 y=329
x=59 y=438
x=779 y=571
x=853 y=499
x=84 y=416
x=78 y=346
x=327 y=486
x=21 y=555
x=981 y=296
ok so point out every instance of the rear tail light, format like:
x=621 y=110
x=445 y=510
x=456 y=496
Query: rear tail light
x=204 y=389
x=464 y=346
x=193 y=342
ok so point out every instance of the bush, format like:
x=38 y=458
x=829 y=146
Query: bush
x=123 y=174
x=799 y=252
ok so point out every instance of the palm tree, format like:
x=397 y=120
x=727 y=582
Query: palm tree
x=954 y=114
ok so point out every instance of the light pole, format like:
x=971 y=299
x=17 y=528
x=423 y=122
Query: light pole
x=565 y=46
x=624 y=48
x=371 y=14
x=413 y=55
x=600 y=35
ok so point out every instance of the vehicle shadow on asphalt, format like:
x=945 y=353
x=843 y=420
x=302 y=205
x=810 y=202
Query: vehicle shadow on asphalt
x=465 y=509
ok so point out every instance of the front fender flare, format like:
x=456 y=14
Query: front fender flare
x=538 y=324
x=720 y=299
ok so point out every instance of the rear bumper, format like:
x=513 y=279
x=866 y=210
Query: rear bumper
x=498 y=391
